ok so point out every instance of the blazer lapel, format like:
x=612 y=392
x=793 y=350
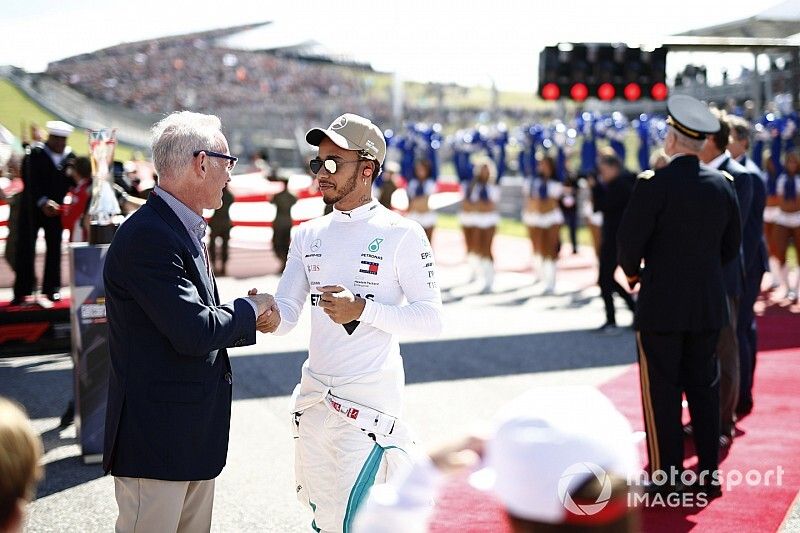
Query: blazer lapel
x=172 y=219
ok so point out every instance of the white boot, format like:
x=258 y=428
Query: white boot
x=549 y=274
x=785 y=280
x=774 y=273
x=474 y=266
x=536 y=264
x=488 y=275
x=792 y=295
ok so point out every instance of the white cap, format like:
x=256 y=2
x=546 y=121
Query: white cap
x=550 y=441
x=59 y=128
x=352 y=132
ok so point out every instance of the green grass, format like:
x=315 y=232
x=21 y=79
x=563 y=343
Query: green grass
x=18 y=112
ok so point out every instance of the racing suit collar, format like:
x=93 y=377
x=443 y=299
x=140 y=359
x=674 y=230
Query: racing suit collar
x=359 y=213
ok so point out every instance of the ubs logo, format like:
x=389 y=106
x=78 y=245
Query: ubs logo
x=316 y=245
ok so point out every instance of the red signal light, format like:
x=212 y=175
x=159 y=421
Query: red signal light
x=632 y=91
x=659 y=91
x=550 y=91
x=606 y=91
x=579 y=92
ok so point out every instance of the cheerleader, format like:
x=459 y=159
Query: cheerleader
x=482 y=195
x=787 y=222
x=419 y=191
x=543 y=217
x=772 y=210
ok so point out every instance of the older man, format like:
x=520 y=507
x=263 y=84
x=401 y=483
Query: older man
x=170 y=384
x=683 y=221
x=372 y=278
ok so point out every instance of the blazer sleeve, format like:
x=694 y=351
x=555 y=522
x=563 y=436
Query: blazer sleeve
x=151 y=271
x=732 y=238
x=744 y=194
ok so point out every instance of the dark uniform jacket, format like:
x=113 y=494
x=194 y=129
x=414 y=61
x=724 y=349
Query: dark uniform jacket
x=756 y=259
x=683 y=220
x=743 y=184
x=42 y=178
x=169 y=393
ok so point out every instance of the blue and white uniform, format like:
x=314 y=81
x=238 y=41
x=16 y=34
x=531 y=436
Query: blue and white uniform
x=543 y=189
x=416 y=189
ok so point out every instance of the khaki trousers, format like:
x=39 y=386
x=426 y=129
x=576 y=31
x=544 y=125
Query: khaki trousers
x=147 y=505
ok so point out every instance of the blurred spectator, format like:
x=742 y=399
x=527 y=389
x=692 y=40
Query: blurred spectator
x=385 y=184
x=553 y=454
x=220 y=225
x=659 y=159
x=569 y=207
x=282 y=224
x=617 y=183
x=76 y=203
x=20 y=453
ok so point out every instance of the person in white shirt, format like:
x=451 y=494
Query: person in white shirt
x=371 y=277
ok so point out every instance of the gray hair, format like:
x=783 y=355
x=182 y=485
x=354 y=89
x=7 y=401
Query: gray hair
x=178 y=135
x=692 y=145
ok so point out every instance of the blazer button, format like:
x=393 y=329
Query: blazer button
x=229 y=378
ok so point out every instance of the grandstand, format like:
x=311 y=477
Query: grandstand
x=262 y=91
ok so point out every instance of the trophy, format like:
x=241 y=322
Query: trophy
x=104 y=211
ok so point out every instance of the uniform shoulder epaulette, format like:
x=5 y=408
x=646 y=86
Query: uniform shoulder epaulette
x=727 y=174
x=646 y=175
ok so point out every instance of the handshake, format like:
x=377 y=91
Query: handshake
x=268 y=315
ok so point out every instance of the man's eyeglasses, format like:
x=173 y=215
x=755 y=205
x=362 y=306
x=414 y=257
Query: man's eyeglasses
x=231 y=159
x=331 y=165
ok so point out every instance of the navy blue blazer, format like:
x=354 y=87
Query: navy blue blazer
x=170 y=382
x=756 y=259
x=743 y=184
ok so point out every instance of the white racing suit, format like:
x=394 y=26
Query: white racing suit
x=346 y=410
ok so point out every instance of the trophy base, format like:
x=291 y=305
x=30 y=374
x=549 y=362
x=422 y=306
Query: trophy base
x=102 y=234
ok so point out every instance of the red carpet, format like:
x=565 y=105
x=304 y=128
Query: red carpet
x=770 y=438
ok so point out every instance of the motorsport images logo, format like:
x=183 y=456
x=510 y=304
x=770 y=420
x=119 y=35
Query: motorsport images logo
x=580 y=470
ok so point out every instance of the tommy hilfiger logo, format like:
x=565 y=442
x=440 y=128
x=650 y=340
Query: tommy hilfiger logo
x=369 y=267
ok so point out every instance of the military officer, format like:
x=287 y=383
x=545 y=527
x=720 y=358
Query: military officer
x=683 y=222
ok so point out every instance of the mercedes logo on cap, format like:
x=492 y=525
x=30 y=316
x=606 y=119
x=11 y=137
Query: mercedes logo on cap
x=339 y=123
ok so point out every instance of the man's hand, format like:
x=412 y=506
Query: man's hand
x=268 y=316
x=340 y=304
x=459 y=455
x=633 y=281
x=267 y=323
x=265 y=302
x=51 y=208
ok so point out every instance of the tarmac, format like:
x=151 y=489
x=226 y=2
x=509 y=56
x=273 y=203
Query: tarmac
x=493 y=348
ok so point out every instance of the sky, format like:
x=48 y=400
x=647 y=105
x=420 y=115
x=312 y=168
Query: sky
x=466 y=42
